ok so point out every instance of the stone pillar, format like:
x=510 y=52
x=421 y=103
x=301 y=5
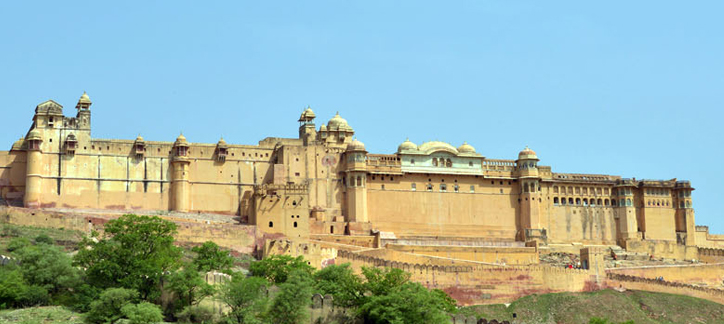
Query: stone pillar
x=180 y=185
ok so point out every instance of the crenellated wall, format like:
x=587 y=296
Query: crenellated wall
x=485 y=284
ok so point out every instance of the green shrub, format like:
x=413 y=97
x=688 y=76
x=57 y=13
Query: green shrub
x=44 y=239
x=17 y=244
x=197 y=314
x=12 y=286
x=10 y=231
x=142 y=313
x=107 y=308
x=34 y=296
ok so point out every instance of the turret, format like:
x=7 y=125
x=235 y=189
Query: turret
x=530 y=198
x=33 y=171
x=83 y=116
x=307 y=130
x=222 y=149
x=356 y=181
x=180 y=175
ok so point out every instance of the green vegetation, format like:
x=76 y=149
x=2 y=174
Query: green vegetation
x=68 y=239
x=40 y=315
x=607 y=306
x=209 y=257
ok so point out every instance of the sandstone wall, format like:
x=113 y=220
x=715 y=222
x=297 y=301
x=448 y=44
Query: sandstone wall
x=709 y=274
x=490 y=254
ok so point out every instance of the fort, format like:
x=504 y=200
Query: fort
x=474 y=226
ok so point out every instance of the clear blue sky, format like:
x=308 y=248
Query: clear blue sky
x=631 y=88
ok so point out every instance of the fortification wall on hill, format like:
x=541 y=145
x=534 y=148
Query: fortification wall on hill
x=240 y=238
x=646 y=284
x=711 y=255
x=484 y=284
x=490 y=254
x=709 y=274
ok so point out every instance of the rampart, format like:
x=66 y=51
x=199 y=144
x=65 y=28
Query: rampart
x=240 y=238
x=711 y=255
x=702 y=274
x=491 y=254
x=483 y=284
x=618 y=281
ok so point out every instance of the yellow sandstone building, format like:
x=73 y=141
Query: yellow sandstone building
x=325 y=182
x=455 y=219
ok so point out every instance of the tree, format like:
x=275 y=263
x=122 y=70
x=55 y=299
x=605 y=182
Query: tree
x=340 y=282
x=17 y=244
x=134 y=253
x=295 y=295
x=48 y=267
x=246 y=297
x=276 y=268
x=381 y=281
x=210 y=257
x=409 y=303
x=107 y=309
x=12 y=286
x=142 y=313
x=189 y=286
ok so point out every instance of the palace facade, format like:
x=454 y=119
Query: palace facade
x=325 y=182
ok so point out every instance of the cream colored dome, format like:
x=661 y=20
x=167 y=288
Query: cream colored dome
x=307 y=114
x=84 y=98
x=355 y=145
x=527 y=154
x=466 y=148
x=434 y=146
x=34 y=135
x=139 y=138
x=181 y=140
x=407 y=146
x=337 y=122
x=222 y=141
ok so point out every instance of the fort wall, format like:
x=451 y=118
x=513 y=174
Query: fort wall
x=708 y=274
x=489 y=254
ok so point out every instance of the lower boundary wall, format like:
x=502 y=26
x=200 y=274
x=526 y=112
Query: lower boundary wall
x=239 y=238
x=617 y=281
x=471 y=285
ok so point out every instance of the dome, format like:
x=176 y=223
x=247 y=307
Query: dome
x=434 y=146
x=84 y=98
x=407 y=146
x=323 y=128
x=355 y=145
x=527 y=154
x=139 y=138
x=337 y=122
x=466 y=148
x=307 y=114
x=222 y=141
x=181 y=140
x=34 y=135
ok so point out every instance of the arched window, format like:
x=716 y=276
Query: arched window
x=605 y=202
x=271 y=224
x=585 y=202
x=448 y=163
x=578 y=201
x=628 y=202
x=295 y=224
x=570 y=201
x=359 y=181
x=555 y=201
x=570 y=190
x=429 y=187
x=434 y=161
x=525 y=187
x=648 y=202
x=555 y=189
x=598 y=202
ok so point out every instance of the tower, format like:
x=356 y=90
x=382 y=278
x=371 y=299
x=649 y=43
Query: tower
x=530 y=199
x=628 y=222
x=180 y=175
x=685 y=211
x=356 y=180
x=307 y=131
x=83 y=116
x=33 y=169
